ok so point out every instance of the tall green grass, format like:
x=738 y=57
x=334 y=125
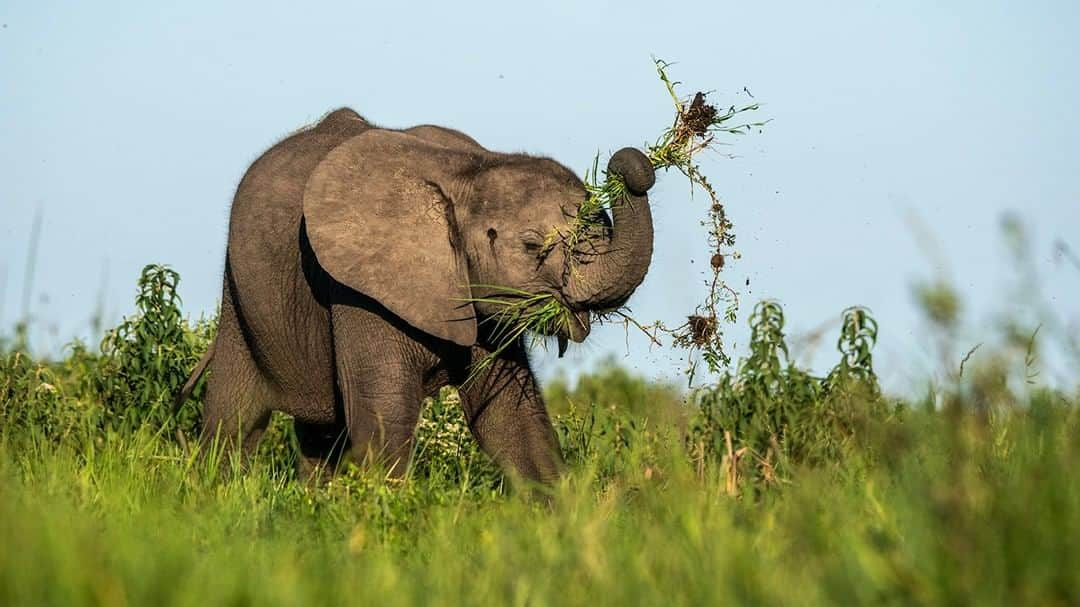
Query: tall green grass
x=771 y=487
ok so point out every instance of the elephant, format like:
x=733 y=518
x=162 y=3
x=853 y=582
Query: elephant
x=357 y=280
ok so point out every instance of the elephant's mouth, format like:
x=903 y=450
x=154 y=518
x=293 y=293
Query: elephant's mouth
x=545 y=313
x=576 y=329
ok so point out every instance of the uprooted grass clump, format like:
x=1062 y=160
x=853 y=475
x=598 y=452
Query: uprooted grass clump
x=774 y=487
x=694 y=130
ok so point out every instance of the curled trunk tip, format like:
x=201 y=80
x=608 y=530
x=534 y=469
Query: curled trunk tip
x=635 y=169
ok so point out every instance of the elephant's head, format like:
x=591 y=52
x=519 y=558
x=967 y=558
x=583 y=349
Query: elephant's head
x=427 y=222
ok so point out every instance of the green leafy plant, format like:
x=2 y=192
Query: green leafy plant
x=148 y=356
x=858 y=334
x=770 y=416
x=34 y=398
x=444 y=450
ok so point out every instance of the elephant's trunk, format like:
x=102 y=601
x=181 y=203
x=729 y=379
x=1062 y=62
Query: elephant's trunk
x=606 y=280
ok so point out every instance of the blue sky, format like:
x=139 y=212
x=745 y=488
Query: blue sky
x=127 y=125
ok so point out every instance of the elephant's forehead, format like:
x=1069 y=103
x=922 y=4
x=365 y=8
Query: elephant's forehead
x=532 y=195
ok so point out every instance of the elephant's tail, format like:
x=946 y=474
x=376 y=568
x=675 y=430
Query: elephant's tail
x=193 y=379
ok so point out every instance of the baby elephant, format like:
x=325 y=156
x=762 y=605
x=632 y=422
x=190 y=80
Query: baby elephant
x=359 y=273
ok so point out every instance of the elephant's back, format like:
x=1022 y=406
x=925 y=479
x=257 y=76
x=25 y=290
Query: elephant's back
x=275 y=181
x=287 y=326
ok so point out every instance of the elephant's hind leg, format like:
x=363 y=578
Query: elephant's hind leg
x=322 y=447
x=239 y=397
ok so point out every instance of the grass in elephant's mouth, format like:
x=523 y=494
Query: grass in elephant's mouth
x=519 y=313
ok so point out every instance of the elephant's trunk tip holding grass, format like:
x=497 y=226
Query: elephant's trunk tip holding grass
x=364 y=267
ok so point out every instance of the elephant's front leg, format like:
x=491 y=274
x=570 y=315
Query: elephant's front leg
x=380 y=382
x=507 y=415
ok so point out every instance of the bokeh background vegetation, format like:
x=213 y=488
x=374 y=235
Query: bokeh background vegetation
x=770 y=486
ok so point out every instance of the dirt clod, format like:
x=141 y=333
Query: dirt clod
x=717 y=261
x=699 y=116
x=702 y=328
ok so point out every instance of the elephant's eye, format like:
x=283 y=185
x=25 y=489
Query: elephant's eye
x=533 y=242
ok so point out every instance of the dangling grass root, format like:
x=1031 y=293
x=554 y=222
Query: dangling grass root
x=694 y=130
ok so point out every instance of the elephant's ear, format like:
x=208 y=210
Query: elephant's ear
x=380 y=222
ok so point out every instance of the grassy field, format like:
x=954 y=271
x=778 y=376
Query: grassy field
x=770 y=487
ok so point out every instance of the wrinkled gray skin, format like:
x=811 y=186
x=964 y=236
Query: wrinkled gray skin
x=352 y=254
